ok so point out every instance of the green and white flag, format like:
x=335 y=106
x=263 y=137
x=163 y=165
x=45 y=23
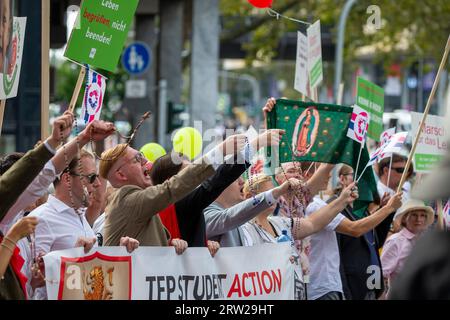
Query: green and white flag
x=318 y=132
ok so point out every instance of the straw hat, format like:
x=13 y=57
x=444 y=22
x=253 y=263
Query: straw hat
x=412 y=205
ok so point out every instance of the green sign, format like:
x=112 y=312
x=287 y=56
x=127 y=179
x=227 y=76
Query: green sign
x=426 y=162
x=100 y=32
x=370 y=97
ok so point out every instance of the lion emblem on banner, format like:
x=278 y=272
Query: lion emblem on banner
x=96 y=287
x=305 y=131
x=95 y=277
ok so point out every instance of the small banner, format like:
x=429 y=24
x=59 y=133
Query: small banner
x=158 y=273
x=358 y=125
x=370 y=97
x=93 y=97
x=11 y=63
x=432 y=144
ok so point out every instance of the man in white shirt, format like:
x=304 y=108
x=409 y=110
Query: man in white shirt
x=325 y=279
x=62 y=221
x=397 y=168
x=97 y=130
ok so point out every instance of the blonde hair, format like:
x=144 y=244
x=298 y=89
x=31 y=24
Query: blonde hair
x=255 y=180
x=109 y=158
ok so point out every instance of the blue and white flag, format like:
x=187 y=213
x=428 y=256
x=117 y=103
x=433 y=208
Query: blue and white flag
x=385 y=136
x=93 y=97
x=358 y=125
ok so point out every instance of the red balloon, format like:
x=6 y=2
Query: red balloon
x=261 y=3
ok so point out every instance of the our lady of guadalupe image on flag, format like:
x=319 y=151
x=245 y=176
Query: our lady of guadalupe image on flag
x=305 y=132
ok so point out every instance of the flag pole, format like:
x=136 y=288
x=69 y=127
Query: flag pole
x=77 y=89
x=2 y=112
x=389 y=173
x=361 y=174
x=440 y=215
x=45 y=68
x=425 y=114
x=357 y=163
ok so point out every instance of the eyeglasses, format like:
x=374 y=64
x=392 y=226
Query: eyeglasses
x=348 y=174
x=90 y=177
x=399 y=170
x=138 y=158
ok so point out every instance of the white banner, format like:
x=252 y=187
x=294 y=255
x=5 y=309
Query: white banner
x=432 y=144
x=158 y=273
x=11 y=59
x=301 y=83
x=314 y=54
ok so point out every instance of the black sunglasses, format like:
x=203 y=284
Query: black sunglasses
x=399 y=170
x=90 y=177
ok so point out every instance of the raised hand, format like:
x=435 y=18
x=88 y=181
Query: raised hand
x=349 y=194
x=97 y=130
x=269 y=137
x=268 y=107
x=233 y=144
x=62 y=127
x=395 y=201
x=22 y=228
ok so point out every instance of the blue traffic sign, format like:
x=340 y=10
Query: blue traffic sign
x=136 y=58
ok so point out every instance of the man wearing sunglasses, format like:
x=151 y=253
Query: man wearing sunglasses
x=398 y=166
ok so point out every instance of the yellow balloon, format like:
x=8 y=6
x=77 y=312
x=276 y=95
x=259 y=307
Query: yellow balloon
x=152 y=151
x=188 y=141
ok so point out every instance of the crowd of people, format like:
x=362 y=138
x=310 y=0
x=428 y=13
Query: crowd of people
x=120 y=199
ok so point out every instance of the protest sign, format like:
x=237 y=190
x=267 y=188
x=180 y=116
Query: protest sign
x=432 y=145
x=314 y=55
x=12 y=62
x=157 y=273
x=301 y=83
x=100 y=32
x=370 y=97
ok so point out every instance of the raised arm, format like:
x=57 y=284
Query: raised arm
x=362 y=226
x=14 y=181
x=220 y=221
x=315 y=222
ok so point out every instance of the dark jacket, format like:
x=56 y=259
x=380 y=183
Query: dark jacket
x=189 y=210
x=355 y=259
x=12 y=183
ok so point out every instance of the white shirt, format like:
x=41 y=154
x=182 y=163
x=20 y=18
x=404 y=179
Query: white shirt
x=324 y=256
x=382 y=188
x=59 y=228
x=36 y=189
x=99 y=224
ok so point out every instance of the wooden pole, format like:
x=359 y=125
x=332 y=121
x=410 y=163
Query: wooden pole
x=45 y=68
x=425 y=114
x=440 y=221
x=2 y=112
x=77 y=89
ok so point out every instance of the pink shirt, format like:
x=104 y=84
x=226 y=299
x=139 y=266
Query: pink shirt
x=395 y=251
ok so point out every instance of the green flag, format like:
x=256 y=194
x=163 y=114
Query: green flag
x=318 y=132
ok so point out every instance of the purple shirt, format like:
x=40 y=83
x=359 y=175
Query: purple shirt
x=395 y=251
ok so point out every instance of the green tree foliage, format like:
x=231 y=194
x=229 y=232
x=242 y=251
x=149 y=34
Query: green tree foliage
x=409 y=28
